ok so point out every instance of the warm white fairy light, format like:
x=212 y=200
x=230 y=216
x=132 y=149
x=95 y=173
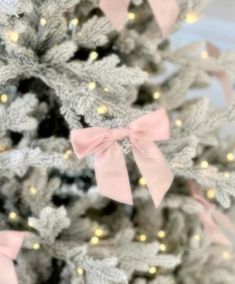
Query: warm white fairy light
x=12 y=216
x=210 y=194
x=204 y=164
x=99 y=232
x=12 y=36
x=152 y=270
x=204 y=55
x=142 y=181
x=33 y=190
x=192 y=17
x=178 y=123
x=226 y=174
x=94 y=240
x=36 y=246
x=80 y=271
x=74 y=22
x=227 y=255
x=106 y=90
x=67 y=154
x=162 y=247
x=101 y=110
x=93 y=55
x=197 y=237
x=161 y=234
x=43 y=22
x=141 y=238
x=230 y=157
x=157 y=95
x=92 y=86
x=3 y=98
x=131 y=16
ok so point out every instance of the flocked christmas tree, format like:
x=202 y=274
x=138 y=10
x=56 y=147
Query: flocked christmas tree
x=63 y=66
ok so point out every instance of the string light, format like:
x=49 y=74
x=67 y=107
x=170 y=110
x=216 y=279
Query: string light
x=142 y=181
x=197 y=237
x=100 y=232
x=210 y=194
x=12 y=216
x=106 y=90
x=13 y=36
x=204 y=55
x=33 y=190
x=3 y=98
x=192 y=17
x=93 y=55
x=178 y=123
x=36 y=246
x=131 y=16
x=43 y=22
x=80 y=271
x=227 y=255
x=162 y=247
x=94 y=240
x=74 y=22
x=157 y=95
x=161 y=234
x=152 y=270
x=102 y=110
x=30 y=224
x=230 y=157
x=92 y=86
x=67 y=154
x=141 y=238
x=227 y=174
x=204 y=165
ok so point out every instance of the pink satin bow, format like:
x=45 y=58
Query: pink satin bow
x=221 y=74
x=10 y=244
x=165 y=12
x=212 y=219
x=110 y=168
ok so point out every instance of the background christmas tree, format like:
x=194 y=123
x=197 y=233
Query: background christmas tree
x=64 y=66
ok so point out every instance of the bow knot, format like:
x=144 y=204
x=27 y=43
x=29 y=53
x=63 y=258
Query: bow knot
x=110 y=168
x=120 y=133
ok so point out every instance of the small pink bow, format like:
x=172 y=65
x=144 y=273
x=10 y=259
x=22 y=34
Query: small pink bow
x=222 y=76
x=110 y=168
x=165 y=12
x=212 y=219
x=10 y=244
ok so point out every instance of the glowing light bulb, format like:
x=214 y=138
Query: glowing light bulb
x=162 y=247
x=227 y=255
x=230 y=157
x=74 y=22
x=80 y=271
x=94 y=240
x=12 y=216
x=99 y=232
x=102 y=110
x=152 y=270
x=204 y=55
x=227 y=174
x=106 y=90
x=33 y=190
x=210 y=194
x=92 y=86
x=131 y=16
x=36 y=246
x=192 y=17
x=3 y=98
x=67 y=154
x=13 y=36
x=178 y=123
x=43 y=22
x=93 y=55
x=142 y=181
x=161 y=234
x=141 y=238
x=204 y=165
x=157 y=95
x=197 y=237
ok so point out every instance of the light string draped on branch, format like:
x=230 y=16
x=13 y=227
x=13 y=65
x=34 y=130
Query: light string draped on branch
x=10 y=244
x=216 y=224
x=110 y=168
x=165 y=13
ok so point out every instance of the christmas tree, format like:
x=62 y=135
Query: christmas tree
x=65 y=66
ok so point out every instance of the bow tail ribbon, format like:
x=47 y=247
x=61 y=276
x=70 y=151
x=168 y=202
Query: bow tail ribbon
x=154 y=169
x=10 y=244
x=112 y=176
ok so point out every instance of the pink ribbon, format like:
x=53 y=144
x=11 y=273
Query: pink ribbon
x=212 y=219
x=110 y=168
x=10 y=244
x=221 y=75
x=165 y=12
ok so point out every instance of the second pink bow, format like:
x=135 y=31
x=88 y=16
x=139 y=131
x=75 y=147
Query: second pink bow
x=110 y=168
x=165 y=12
x=10 y=244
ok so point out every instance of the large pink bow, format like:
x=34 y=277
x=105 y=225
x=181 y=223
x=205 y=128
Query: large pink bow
x=10 y=244
x=214 y=221
x=165 y=12
x=222 y=76
x=110 y=168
